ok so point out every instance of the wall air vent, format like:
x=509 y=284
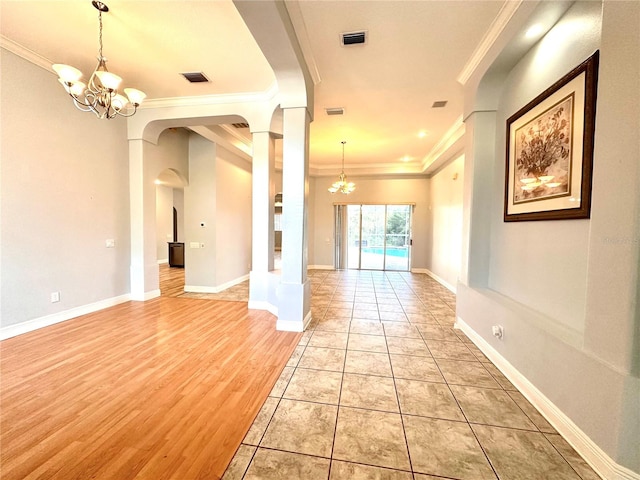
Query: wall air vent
x=195 y=77
x=439 y=104
x=334 y=111
x=353 y=38
x=240 y=125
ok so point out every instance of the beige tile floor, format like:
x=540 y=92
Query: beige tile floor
x=382 y=387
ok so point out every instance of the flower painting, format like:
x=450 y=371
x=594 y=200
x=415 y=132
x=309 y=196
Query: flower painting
x=549 y=150
x=543 y=154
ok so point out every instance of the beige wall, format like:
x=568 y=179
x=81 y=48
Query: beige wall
x=445 y=208
x=164 y=221
x=63 y=195
x=218 y=195
x=379 y=190
x=233 y=217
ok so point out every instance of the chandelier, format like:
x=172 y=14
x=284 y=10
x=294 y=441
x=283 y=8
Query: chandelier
x=342 y=185
x=100 y=95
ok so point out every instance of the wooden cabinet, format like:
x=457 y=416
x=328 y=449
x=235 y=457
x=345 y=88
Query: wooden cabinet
x=176 y=254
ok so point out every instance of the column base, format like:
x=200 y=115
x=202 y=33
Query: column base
x=294 y=306
x=144 y=282
x=263 y=291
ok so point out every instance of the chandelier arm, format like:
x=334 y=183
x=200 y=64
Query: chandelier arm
x=79 y=104
x=76 y=100
x=118 y=112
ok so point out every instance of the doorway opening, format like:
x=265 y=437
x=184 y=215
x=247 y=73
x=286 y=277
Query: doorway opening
x=373 y=237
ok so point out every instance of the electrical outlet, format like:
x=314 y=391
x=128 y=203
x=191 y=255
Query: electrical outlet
x=55 y=297
x=110 y=243
x=498 y=331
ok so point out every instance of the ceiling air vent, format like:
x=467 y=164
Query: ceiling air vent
x=439 y=104
x=240 y=125
x=195 y=77
x=353 y=38
x=334 y=111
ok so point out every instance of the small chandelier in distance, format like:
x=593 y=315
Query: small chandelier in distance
x=342 y=185
x=100 y=95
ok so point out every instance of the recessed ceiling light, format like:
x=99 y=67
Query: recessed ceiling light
x=534 y=31
x=422 y=134
x=406 y=158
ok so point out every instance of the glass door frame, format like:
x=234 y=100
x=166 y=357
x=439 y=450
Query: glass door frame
x=342 y=240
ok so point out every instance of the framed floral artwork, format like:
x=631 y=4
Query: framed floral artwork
x=549 y=156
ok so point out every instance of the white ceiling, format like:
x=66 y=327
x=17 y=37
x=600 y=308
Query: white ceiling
x=414 y=53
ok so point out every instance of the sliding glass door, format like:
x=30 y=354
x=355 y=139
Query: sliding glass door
x=378 y=237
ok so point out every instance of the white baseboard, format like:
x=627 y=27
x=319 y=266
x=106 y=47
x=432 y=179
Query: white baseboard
x=293 y=326
x=438 y=279
x=320 y=267
x=151 y=295
x=218 y=289
x=604 y=465
x=200 y=289
x=255 y=305
x=163 y=261
x=31 y=325
x=144 y=296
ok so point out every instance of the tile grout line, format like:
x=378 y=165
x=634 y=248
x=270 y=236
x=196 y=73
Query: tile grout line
x=468 y=423
x=344 y=363
x=419 y=294
x=459 y=406
x=395 y=387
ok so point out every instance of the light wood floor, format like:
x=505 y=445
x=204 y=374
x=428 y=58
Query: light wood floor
x=171 y=280
x=159 y=389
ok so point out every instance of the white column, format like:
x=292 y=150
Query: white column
x=294 y=291
x=262 y=244
x=144 y=265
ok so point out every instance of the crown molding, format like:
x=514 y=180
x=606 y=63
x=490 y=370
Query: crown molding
x=509 y=7
x=239 y=148
x=28 y=55
x=201 y=100
x=231 y=131
x=455 y=133
x=408 y=169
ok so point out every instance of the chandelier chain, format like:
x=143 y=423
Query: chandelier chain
x=100 y=34
x=342 y=185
